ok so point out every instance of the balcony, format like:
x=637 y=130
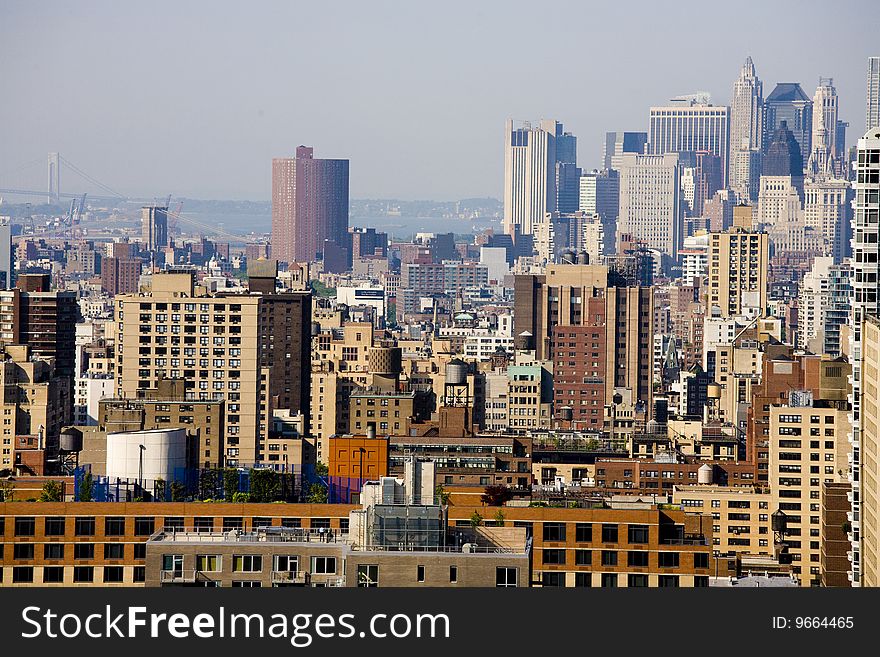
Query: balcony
x=290 y=577
x=178 y=576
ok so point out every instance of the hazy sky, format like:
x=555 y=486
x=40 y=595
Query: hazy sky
x=195 y=98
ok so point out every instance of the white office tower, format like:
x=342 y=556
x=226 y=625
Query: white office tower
x=811 y=306
x=745 y=173
x=650 y=201
x=6 y=259
x=872 y=113
x=778 y=201
x=695 y=258
x=821 y=162
x=828 y=210
x=531 y=156
x=690 y=124
x=865 y=300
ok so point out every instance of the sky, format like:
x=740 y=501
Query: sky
x=194 y=98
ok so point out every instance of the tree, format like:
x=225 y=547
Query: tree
x=7 y=491
x=178 y=491
x=476 y=520
x=317 y=494
x=52 y=492
x=265 y=486
x=496 y=495
x=86 y=488
x=230 y=483
x=442 y=494
x=159 y=489
x=241 y=498
x=207 y=484
x=321 y=469
x=499 y=518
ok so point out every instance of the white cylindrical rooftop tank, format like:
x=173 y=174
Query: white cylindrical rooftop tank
x=148 y=455
x=704 y=474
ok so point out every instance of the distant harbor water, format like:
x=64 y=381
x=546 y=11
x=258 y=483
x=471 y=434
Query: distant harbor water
x=397 y=227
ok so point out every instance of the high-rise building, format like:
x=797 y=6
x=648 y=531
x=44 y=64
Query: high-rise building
x=823 y=306
x=823 y=154
x=864 y=528
x=789 y=103
x=562 y=297
x=539 y=166
x=828 y=210
x=738 y=264
x=154 y=227
x=872 y=95
x=865 y=301
x=746 y=109
x=120 y=275
x=618 y=143
x=650 y=204
x=7 y=270
x=309 y=206
x=688 y=126
x=236 y=348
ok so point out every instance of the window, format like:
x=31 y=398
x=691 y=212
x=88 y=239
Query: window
x=638 y=533
x=637 y=581
x=609 y=558
x=113 y=573
x=140 y=550
x=554 y=557
x=609 y=580
x=505 y=577
x=701 y=581
x=291 y=523
x=114 y=551
x=172 y=525
x=53 y=551
x=139 y=574
x=248 y=563
x=84 y=551
x=285 y=563
x=453 y=574
x=53 y=574
x=667 y=581
x=25 y=527
x=114 y=526
x=320 y=523
x=583 y=557
x=323 y=565
x=203 y=524
x=637 y=559
x=23 y=551
x=55 y=527
x=609 y=533
x=208 y=563
x=22 y=574
x=554 y=531
x=583 y=580
x=583 y=532
x=367 y=575
x=553 y=579
x=420 y=573
x=83 y=574
x=144 y=526
x=701 y=560
x=667 y=559
x=84 y=526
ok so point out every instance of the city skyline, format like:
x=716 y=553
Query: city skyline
x=198 y=119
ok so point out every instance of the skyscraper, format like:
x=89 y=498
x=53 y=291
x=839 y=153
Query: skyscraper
x=789 y=103
x=872 y=96
x=746 y=118
x=823 y=154
x=309 y=205
x=540 y=173
x=7 y=260
x=865 y=301
x=650 y=205
x=154 y=227
x=618 y=143
x=738 y=265
x=688 y=125
x=746 y=109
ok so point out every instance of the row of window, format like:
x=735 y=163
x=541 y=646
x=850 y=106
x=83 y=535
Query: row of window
x=556 y=531
x=612 y=580
x=635 y=559
x=25 y=526
x=81 y=574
